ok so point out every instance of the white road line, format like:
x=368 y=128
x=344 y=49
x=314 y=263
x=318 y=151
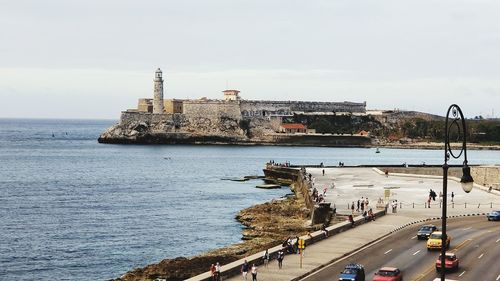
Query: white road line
x=480 y=256
x=461 y=274
x=498 y=277
x=468 y=228
x=497 y=241
x=387 y=252
x=416 y=252
x=414 y=237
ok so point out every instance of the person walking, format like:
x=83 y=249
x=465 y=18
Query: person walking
x=266 y=258
x=452 y=196
x=254 y=272
x=357 y=209
x=281 y=255
x=212 y=271
x=352 y=207
x=217 y=271
x=244 y=270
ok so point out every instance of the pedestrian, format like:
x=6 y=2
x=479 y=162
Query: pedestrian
x=281 y=255
x=217 y=271
x=429 y=202
x=395 y=206
x=212 y=271
x=266 y=258
x=352 y=208
x=351 y=220
x=254 y=272
x=323 y=172
x=452 y=196
x=244 y=270
x=357 y=209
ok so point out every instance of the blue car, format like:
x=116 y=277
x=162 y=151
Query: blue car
x=352 y=272
x=493 y=216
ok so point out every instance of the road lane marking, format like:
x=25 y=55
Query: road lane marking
x=414 y=237
x=480 y=256
x=468 y=228
x=498 y=277
x=461 y=245
x=461 y=274
x=425 y=273
x=497 y=241
x=388 y=252
x=416 y=252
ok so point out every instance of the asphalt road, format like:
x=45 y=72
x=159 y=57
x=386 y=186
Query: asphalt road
x=475 y=240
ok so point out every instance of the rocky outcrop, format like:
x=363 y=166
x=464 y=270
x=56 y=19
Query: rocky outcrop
x=146 y=128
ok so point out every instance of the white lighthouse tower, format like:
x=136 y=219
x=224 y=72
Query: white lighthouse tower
x=158 y=93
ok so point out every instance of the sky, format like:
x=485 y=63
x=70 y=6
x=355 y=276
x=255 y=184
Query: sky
x=92 y=59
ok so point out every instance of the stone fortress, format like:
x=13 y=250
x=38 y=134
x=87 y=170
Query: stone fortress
x=229 y=120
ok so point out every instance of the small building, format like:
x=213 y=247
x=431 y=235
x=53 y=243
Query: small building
x=145 y=105
x=172 y=106
x=231 y=95
x=364 y=133
x=293 y=128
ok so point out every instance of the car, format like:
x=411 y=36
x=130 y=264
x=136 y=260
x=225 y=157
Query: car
x=434 y=241
x=493 y=216
x=451 y=262
x=425 y=231
x=388 y=274
x=353 y=272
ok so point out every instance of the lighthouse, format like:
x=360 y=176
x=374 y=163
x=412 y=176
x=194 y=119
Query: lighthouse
x=158 y=93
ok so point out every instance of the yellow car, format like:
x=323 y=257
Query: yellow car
x=434 y=241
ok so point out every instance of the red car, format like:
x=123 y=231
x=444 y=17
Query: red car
x=388 y=274
x=451 y=262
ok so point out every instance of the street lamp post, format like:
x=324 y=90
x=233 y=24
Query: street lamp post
x=457 y=121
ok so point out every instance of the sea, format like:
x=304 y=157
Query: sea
x=74 y=209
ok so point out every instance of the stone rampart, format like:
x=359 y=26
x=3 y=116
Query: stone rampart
x=212 y=109
x=258 y=107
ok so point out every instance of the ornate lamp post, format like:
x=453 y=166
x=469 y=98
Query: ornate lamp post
x=457 y=121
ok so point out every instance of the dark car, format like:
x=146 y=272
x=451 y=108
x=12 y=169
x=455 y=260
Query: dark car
x=352 y=272
x=425 y=231
x=493 y=216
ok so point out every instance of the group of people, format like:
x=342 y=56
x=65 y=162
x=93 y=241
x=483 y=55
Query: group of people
x=215 y=269
x=368 y=215
x=272 y=163
x=245 y=268
x=362 y=204
x=394 y=206
x=319 y=198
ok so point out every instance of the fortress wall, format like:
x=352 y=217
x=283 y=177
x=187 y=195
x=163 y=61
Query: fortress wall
x=129 y=117
x=212 y=109
x=306 y=106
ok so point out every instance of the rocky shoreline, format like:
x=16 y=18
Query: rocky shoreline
x=266 y=225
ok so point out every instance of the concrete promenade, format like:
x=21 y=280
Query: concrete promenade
x=411 y=192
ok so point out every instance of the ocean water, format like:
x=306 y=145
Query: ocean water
x=74 y=209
